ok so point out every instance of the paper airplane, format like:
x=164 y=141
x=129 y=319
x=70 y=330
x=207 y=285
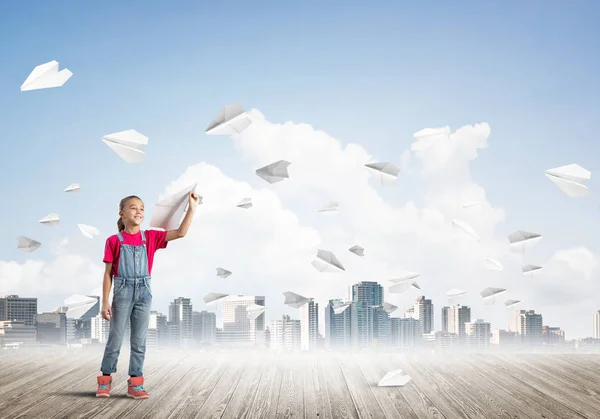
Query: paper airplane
x=254 y=310
x=50 y=220
x=231 y=120
x=403 y=285
x=88 y=231
x=455 y=293
x=394 y=379
x=327 y=262
x=389 y=308
x=357 y=250
x=169 y=211
x=403 y=275
x=331 y=207
x=520 y=239
x=27 y=245
x=530 y=269
x=386 y=171
x=214 y=297
x=493 y=264
x=245 y=203
x=570 y=179
x=427 y=137
x=491 y=292
x=274 y=172
x=511 y=303
x=73 y=187
x=340 y=308
x=127 y=145
x=294 y=300
x=223 y=273
x=472 y=204
x=464 y=226
x=46 y=76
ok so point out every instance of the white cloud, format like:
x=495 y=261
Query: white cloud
x=269 y=247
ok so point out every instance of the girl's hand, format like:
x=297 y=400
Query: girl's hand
x=106 y=311
x=194 y=200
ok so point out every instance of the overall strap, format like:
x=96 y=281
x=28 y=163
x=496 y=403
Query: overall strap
x=121 y=240
x=143 y=237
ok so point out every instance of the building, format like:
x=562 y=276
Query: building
x=505 y=339
x=204 y=326
x=423 y=311
x=528 y=326
x=100 y=329
x=13 y=307
x=309 y=325
x=51 y=328
x=238 y=328
x=552 y=336
x=180 y=315
x=405 y=333
x=370 y=326
x=445 y=315
x=596 y=325
x=478 y=334
x=458 y=316
x=285 y=334
x=16 y=332
x=338 y=325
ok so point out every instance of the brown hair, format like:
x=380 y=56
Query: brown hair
x=120 y=222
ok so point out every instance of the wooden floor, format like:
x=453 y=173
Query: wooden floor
x=251 y=385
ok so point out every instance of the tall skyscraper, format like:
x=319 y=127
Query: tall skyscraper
x=180 y=315
x=13 y=307
x=596 y=330
x=337 y=325
x=238 y=329
x=309 y=325
x=528 y=325
x=367 y=292
x=204 y=327
x=285 y=334
x=458 y=316
x=369 y=322
x=423 y=311
x=405 y=333
x=445 y=315
x=478 y=334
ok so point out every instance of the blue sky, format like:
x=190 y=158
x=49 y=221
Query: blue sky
x=368 y=75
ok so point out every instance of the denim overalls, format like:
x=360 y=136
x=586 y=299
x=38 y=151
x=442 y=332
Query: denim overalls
x=132 y=298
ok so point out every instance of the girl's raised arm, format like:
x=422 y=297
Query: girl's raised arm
x=187 y=220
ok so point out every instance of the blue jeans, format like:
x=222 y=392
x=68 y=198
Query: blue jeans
x=132 y=299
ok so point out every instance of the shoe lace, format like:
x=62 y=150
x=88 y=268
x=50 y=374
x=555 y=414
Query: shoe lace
x=103 y=386
x=138 y=388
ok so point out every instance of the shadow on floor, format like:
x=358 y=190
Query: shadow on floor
x=87 y=394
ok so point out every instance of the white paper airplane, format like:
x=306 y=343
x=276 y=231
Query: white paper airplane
x=127 y=145
x=472 y=204
x=403 y=275
x=464 y=226
x=402 y=285
x=455 y=293
x=223 y=273
x=213 y=298
x=327 y=262
x=27 y=245
x=254 y=310
x=169 y=211
x=389 y=308
x=428 y=137
x=386 y=171
x=490 y=293
x=340 y=308
x=88 y=231
x=531 y=269
x=357 y=250
x=294 y=300
x=493 y=264
x=245 y=203
x=570 y=179
x=73 y=187
x=274 y=172
x=511 y=303
x=50 y=220
x=46 y=76
x=231 y=120
x=394 y=379
x=521 y=239
x=330 y=207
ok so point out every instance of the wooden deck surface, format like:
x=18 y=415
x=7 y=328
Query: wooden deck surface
x=323 y=385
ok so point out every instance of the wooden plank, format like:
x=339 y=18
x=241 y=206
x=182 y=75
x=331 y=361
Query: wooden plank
x=411 y=393
x=364 y=400
x=291 y=396
x=342 y=405
x=316 y=402
x=241 y=401
x=265 y=400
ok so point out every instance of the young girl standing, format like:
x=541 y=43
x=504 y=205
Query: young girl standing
x=128 y=256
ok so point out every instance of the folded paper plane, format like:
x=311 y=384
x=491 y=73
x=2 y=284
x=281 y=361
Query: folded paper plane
x=88 y=231
x=294 y=300
x=394 y=379
x=50 y=220
x=519 y=240
x=127 y=145
x=231 y=120
x=245 y=203
x=357 y=250
x=274 y=172
x=330 y=207
x=27 y=245
x=455 y=293
x=389 y=308
x=214 y=297
x=254 y=310
x=402 y=285
x=46 y=76
x=570 y=179
x=223 y=273
x=327 y=262
x=387 y=172
x=169 y=211
x=493 y=264
x=340 y=308
x=73 y=187
x=466 y=227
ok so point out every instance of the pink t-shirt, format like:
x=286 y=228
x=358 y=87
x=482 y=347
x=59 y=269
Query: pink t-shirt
x=155 y=239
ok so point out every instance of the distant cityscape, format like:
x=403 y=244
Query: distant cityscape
x=360 y=322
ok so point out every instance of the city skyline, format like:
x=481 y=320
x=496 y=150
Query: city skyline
x=515 y=107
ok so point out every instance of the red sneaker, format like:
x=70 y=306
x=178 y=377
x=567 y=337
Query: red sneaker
x=135 y=388
x=104 y=382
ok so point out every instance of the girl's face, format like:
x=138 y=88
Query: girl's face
x=133 y=213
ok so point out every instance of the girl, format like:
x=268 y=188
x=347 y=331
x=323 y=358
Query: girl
x=128 y=256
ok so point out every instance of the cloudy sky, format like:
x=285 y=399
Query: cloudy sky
x=330 y=89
